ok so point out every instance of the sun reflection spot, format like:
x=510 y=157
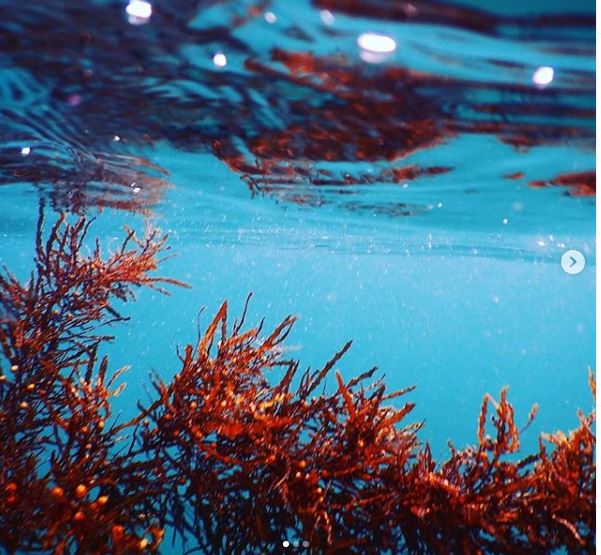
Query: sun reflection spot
x=543 y=76
x=378 y=44
x=220 y=59
x=375 y=48
x=138 y=11
x=327 y=17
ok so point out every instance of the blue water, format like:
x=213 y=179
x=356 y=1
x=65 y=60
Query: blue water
x=449 y=281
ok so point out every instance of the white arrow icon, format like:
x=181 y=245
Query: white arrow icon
x=573 y=262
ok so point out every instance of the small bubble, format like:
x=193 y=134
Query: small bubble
x=26 y=151
x=116 y=138
x=270 y=17
x=286 y=543
x=505 y=221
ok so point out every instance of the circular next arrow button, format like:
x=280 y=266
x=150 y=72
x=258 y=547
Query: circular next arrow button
x=573 y=262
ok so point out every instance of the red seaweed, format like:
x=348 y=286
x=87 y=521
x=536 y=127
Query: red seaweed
x=581 y=184
x=68 y=482
x=242 y=448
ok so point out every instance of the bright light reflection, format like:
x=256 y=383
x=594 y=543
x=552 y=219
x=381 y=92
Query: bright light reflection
x=327 y=17
x=139 y=11
x=377 y=44
x=270 y=17
x=220 y=59
x=25 y=151
x=543 y=76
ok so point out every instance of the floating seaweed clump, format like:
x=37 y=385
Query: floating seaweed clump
x=242 y=449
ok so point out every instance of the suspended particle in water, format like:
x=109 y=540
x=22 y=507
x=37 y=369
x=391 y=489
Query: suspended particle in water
x=270 y=17
x=25 y=151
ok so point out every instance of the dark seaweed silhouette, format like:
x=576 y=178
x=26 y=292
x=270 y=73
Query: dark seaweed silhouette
x=83 y=87
x=580 y=183
x=559 y=27
x=242 y=449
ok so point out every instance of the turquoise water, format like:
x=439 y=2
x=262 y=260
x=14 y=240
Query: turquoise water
x=450 y=280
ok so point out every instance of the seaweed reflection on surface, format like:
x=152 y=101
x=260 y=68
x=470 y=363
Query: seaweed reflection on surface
x=241 y=448
x=280 y=117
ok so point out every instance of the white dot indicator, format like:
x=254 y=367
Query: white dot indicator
x=220 y=59
x=26 y=151
x=543 y=76
x=286 y=543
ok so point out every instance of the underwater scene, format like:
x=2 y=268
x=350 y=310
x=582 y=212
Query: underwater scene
x=310 y=276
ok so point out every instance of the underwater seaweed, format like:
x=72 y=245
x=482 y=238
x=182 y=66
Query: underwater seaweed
x=68 y=484
x=241 y=448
